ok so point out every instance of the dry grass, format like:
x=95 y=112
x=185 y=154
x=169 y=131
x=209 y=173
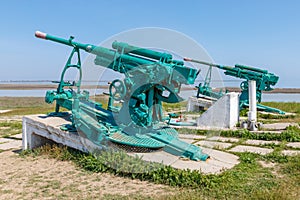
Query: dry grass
x=45 y=178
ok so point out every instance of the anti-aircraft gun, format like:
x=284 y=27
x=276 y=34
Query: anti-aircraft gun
x=264 y=82
x=151 y=77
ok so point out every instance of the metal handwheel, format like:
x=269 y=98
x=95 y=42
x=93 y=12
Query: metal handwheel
x=244 y=85
x=117 y=90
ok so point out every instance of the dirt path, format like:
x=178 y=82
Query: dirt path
x=44 y=178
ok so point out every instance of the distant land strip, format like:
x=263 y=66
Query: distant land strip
x=54 y=86
x=276 y=90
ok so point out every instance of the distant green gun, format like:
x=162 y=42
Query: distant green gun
x=264 y=82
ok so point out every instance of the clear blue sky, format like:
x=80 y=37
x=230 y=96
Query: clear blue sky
x=262 y=33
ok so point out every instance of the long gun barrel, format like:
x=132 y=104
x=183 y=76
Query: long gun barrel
x=106 y=56
x=69 y=42
x=244 y=72
x=101 y=51
x=129 y=56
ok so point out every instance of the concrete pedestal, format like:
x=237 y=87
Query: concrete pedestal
x=41 y=129
x=224 y=113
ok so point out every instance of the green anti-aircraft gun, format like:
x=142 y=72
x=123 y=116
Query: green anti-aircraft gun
x=151 y=77
x=264 y=81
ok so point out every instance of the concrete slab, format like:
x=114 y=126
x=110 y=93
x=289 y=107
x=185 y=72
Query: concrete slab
x=260 y=142
x=218 y=162
x=14 y=144
x=278 y=126
x=159 y=157
x=293 y=144
x=4 y=111
x=290 y=152
x=251 y=149
x=221 y=156
x=5 y=140
x=18 y=136
x=190 y=136
x=222 y=139
x=190 y=141
x=212 y=144
x=38 y=129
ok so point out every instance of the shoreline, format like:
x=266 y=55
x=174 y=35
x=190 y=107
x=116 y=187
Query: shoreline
x=43 y=86
x=54 y=86
x=276 y=90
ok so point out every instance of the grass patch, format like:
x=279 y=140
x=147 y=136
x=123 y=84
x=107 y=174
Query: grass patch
x=34 y=105
x=170 y=107
x=291 y=107
x=24 y=106
x=291 y=134
x=272 y=116
x=10 y=128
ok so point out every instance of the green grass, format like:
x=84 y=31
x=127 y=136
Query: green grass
x=247 y=180
x=292 y=107
x=170 y=107
x=291 y=134
x=24 y=106
x=34 y=105
x=10 y=128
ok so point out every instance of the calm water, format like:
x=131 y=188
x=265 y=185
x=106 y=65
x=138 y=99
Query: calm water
x=33 y=93
x=279 y=97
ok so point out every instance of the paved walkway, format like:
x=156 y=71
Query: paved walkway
x=13 y=142
x=238 y=145
x=215 y=142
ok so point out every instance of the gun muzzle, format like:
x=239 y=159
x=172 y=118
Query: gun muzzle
x=188 y=59
x=40 y=34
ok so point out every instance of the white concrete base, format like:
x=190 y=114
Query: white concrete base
x=40 y=129
x=224 y=113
